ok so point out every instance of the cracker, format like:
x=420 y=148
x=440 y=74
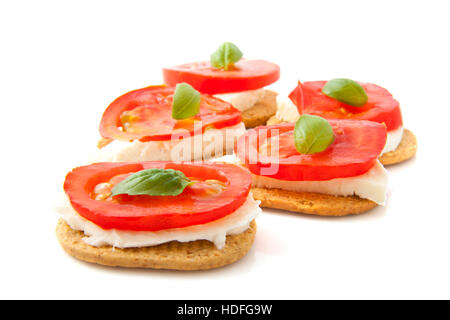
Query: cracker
x=274 y=120
x=194 y=255
x=261 y=111
x=103 y=142
x=405 y=150
x=312 y=203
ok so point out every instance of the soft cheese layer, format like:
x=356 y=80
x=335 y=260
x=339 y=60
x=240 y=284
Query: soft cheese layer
x=211 y=143
x=371 y=185
x=243 y=100
x=215 y=231
x=394 y=137
x=287 y=111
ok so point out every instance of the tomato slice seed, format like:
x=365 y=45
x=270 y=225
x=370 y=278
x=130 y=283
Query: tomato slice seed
x=381 y=106
x=270 y=151
x=219 y=190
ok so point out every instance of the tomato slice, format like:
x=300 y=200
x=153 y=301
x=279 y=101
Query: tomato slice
x=245 y=75
x=354 y=151
x=219 y=189
x=146 y=115
x=381 y=106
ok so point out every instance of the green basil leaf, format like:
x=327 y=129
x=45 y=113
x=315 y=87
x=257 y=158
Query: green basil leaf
x=346 y=91
x=153 y=182
x=312 y=134
x=186 y=102
x=225 y=56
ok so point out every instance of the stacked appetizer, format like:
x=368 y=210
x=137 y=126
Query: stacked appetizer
x=348 y=99
x=160 y=123
x=182 y=216
x=231 y=78
x=145 y=203
x=317 y=166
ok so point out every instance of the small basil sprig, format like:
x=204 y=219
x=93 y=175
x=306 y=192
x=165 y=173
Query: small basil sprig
x=346 y=91
x=225 y=56
x=312 y=134
x=186 y=102
x=153 y=182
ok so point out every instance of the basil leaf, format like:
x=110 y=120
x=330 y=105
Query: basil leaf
x=312 y=134
x=153 y=182
x=346 y=91
x=186 y=102
x=225 y=56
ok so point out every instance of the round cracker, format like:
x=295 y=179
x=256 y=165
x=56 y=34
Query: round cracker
x=274 y=120
x=194 y=255
x=312 y=203
x=405 y=150
x=261 y=111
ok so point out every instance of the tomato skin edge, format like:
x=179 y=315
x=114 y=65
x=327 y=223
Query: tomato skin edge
x=80 y=181
x=110 y=121
x=297 y=97
x=220 y=81
x=384 y=110
x=295 y=171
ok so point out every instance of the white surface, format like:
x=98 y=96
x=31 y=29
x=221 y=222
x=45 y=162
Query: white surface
x=62 y=63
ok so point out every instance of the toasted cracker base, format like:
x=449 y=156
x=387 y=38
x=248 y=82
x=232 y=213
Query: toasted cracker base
x=274 y=120
x=405 y=150
x=261 y=111
x=311 y=203
x=194 y=255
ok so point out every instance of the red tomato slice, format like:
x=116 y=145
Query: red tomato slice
x=245 y=75
x=219 y=189
x=146 y=114
x=354 y=151
x=381 y=106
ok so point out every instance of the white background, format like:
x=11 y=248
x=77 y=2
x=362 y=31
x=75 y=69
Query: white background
x=63 y=62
